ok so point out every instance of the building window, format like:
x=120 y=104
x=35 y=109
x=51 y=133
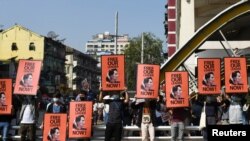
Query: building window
x=14 y=46
x=32 y=46
x=112 y=46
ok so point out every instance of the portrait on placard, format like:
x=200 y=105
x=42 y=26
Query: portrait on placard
x=80 y=115
x=28 y=75
x=113 y=72
x=147 y=81
x=176 y=89
x=176 y=92
x=209 y=75
x=54 y=127
x=5 y=96
x=236 y=75
x=54 y=134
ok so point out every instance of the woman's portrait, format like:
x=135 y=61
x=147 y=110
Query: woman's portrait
x=208 y=79
x=79 y=122
x=236 y=78
x=112 y=76
x=147 y=84
x=27 y=80
x=54 y=134
x=176 y=92
x=2 y=99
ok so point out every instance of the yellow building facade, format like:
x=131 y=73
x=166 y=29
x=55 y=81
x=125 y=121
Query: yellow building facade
x=20 y=43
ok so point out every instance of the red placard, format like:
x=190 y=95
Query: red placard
x=54 y=127
x=6 y=96
x=177 y=89
x=80 y=117
x=236 y=75
x=113 y=72
x=209 y=77
x=28 y=75
x=147 y=81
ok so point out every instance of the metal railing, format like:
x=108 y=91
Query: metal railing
x=102 y=128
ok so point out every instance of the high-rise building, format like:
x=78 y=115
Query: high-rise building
x=104 y=44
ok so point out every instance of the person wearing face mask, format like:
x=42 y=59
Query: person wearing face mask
x=56 y=106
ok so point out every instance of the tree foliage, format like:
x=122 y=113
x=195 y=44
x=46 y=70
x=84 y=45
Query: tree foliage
x=153 y=54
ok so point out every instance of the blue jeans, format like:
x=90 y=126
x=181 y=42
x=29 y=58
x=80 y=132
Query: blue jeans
x=5 y=129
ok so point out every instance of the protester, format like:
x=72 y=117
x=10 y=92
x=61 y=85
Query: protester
x=91 y=96
x=211 y=109
x=55 y=106
x=28 y=118
x=114 y=124
x=146 y=118
x=5 y=121
x=177 y=124
x=235 y=109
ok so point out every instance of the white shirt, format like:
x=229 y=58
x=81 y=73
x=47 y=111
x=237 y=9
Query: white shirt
x=27 y=115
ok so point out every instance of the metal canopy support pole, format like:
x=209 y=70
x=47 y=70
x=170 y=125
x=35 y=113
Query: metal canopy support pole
x=227 y=42
x=225 y=48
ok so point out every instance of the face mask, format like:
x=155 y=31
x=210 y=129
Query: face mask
x=55 y=99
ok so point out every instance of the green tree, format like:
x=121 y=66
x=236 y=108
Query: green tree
x=153 y=54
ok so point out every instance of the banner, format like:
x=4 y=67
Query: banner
x=177 y=89
x=147 y=81
x=28 y=75
x=80 y=119
x=5 y=96
x=113 y=72
x=209 y=76
x=54 y=127
x=235 y=75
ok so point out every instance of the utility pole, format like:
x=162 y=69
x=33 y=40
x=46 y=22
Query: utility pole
x=116 y=31
x=142 y=47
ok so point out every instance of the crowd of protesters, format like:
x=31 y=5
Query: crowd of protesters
x=115 y=109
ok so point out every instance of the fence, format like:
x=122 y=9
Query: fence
x=101 y=129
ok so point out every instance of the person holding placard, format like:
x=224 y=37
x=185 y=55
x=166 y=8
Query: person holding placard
x=116 y=105
x=146 y=118
x=28 y=118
